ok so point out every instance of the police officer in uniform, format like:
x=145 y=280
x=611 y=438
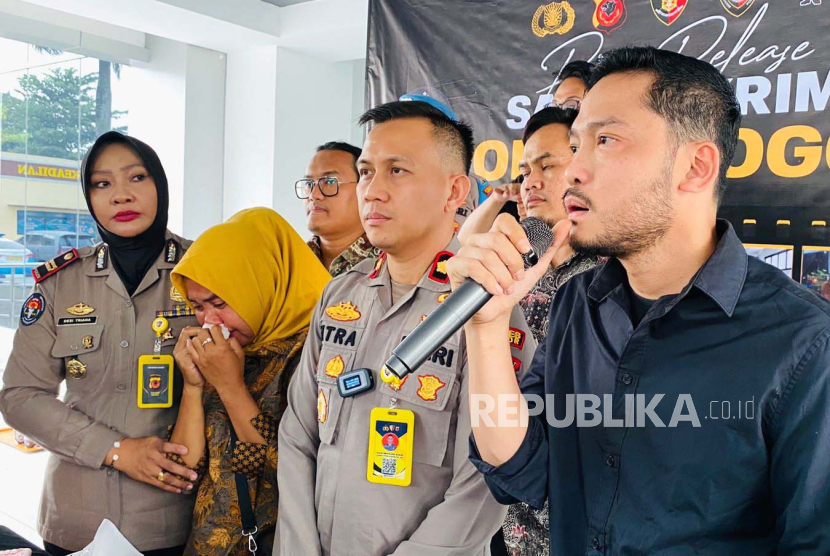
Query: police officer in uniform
x=92 y=314
x=335 y=497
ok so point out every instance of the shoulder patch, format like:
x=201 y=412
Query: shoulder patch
x=32 y=309
x=51 y=267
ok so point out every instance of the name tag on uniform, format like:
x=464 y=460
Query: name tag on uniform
x=155 y=381
x=391 y=443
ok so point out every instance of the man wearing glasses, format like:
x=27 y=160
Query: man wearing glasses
x=328 y=192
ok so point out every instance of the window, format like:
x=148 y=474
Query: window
x=53 y=105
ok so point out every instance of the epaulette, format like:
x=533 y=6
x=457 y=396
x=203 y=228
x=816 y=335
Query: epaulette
x=49 y=268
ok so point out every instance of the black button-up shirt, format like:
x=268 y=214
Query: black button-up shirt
x=743 y=351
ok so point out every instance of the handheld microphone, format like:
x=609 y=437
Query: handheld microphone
x=458 y=308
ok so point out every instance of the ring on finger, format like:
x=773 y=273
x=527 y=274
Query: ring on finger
x=160 y=476
x=206 y=342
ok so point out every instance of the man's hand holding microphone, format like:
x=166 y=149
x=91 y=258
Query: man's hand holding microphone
x=494 y=260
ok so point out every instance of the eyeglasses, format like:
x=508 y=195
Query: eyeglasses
x=571 y=104
x=329 y=186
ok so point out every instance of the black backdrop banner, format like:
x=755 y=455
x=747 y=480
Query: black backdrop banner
x=496 y=62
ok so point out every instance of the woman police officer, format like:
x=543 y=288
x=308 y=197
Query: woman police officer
x=92 y=315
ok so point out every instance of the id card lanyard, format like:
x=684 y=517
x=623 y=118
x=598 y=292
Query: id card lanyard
x=155 y=373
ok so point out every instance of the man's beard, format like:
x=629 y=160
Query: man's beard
x=636 y=226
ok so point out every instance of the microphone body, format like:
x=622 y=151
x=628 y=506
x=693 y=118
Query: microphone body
x=458 y=308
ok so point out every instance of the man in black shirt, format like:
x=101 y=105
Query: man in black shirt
x=686 y=385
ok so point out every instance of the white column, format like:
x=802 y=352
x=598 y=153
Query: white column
x=204 y=148
x=314 y=105
x=177 y=106
x=157 y=113
x=250 y=127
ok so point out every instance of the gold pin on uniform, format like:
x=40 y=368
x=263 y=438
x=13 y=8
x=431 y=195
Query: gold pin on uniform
x=76 y=369
x=175 y=295
x=87 y=342
x=80 y=310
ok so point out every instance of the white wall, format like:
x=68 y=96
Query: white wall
x=204 y=146
x=177 y=106
x=157 y=113
x=358 y=99
x=313 y=105
x=250 y=109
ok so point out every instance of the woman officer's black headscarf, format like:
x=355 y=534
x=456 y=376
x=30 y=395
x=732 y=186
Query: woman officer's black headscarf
x=131 y=257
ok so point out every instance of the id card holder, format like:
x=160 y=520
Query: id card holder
x=155 y=381
x=391 y=443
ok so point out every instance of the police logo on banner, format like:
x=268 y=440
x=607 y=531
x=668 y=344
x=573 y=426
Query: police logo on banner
x=609 y=15
x=556 y=18
x=737 y=8
x=667 y=11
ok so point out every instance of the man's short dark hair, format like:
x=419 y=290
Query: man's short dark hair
x=456 y=137
x=344 y=147
x=691 y=95
x=579 y=69
x=548 y=116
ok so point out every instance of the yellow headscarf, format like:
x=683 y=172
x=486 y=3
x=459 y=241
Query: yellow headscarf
x=259 y=266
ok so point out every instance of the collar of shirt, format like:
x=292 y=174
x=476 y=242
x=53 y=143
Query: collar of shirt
x=380 y=278
x=114 y=282
x=721 y=278
x=360 y=249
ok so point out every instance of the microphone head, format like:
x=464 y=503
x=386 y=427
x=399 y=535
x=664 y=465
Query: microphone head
x=540 y=237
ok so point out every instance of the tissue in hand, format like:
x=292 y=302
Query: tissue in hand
x=225 y=331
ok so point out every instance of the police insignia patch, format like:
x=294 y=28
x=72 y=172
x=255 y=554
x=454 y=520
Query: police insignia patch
x=516 y=338
x=32 y=309
x=171 y=251
x=101 y=258
x=393 y=381
x=430 y=384
x=80 y=310
x=322 y=407
x=335 y=367
x=517 y=365
x=378 y=266
x=175 y=295
x=343 y=312
x=75 y=369
x=438 y=271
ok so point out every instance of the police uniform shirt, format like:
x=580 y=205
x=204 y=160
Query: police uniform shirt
x=327 y=506
x=90 y=333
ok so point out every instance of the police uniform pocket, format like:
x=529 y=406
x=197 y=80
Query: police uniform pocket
x=333 y=362
x=80 y=348
x=434 y=394
x=171 y=337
